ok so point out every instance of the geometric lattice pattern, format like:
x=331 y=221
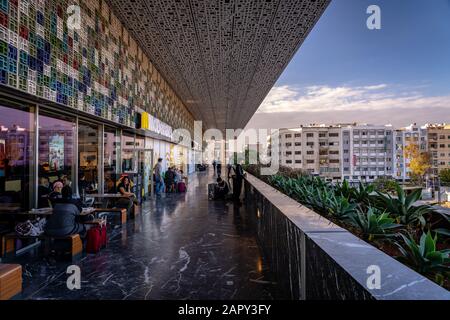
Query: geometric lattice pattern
x=221 y=56
x=98 y=69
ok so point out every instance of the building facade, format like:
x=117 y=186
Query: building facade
x=346 y=151
x=438 y=144
x=404 y=137
x=85 y=103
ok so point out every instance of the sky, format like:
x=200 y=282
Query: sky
x=345 y=72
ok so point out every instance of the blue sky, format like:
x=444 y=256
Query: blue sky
x=403 y=66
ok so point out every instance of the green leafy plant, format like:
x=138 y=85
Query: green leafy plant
x=341 y=208
x=385 y=184
x=402 y=207
x=373 y=223
x=344 y=189
x=423 y=256
x=363 y=193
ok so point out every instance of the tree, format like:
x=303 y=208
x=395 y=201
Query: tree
x=445 y=176
x=420 y=162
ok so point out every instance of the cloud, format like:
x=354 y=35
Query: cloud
x=347 y=98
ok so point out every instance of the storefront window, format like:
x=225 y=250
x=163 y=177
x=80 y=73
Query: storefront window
x=16 y=157
x=88 y=163
x=128 y=158
x=140 y=142
x=111 y=143
x=56 y=154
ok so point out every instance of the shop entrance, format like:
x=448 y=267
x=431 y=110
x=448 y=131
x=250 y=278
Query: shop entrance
x=145 y=174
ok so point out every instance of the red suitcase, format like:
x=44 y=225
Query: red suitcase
x=96 y=239
x=181 y=187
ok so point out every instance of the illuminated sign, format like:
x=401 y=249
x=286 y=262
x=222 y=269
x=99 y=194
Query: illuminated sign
x=146 y=121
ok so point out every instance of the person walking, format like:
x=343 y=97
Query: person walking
x=157 y=175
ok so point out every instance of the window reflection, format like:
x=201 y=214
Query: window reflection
x=111 y=142
x=56 y=154
x=88 y=148
x=128 y=159
x=16 y=157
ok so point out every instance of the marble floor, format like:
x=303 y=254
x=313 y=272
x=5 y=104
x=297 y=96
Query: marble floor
x=182 y=247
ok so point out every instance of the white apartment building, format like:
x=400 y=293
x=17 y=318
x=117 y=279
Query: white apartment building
x=313 y=148
x=345 y=151
x=368 y=152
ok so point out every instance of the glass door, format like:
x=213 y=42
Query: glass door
x=145 y=173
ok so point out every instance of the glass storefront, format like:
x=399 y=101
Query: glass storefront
x=56 y=154
x=111 y=143
x=128 y=159
x=16 y=156
x=74 y=151
x=88 y=157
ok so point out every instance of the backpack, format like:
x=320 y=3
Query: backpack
x=31 y=228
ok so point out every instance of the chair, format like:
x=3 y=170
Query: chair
x=89 y=202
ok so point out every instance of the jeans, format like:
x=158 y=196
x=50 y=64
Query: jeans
x=159 y=185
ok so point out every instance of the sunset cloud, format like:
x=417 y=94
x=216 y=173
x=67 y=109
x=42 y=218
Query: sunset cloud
x=347 y=98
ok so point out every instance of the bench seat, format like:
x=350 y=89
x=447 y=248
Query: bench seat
x=136 y=210
x=73 y=244
x=10 y=281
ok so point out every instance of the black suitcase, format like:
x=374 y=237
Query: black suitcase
x=211 y=191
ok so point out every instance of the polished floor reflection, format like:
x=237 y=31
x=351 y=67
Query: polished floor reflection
x=182 y=247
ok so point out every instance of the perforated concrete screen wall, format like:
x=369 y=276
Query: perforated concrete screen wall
x=220 y=56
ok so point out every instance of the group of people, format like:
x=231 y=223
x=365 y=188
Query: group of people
x=66 y=218
x=173 y=180
x=222 y=188
x=47 y=191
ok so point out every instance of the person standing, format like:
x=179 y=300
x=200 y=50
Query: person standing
x=229 y=168
x=237 y=183
x=157 y=173
x=214 y=166
x=219 y=168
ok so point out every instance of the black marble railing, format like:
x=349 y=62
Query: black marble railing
x=312 y=258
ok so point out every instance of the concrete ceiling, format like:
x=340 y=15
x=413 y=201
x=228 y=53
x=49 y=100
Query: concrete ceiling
x=221 y=57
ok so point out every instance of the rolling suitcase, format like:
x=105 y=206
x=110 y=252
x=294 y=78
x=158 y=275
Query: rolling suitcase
x=211 y=191
x=181 y=187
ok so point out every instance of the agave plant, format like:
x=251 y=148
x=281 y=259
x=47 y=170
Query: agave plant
x=423 y=256
x=341 y=208
x=317 y=198
x=374 y=223
x=363 y=193
x=344 y=189
x=402 y=207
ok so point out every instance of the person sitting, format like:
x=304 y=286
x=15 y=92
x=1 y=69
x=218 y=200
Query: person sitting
x=177 y=176
x=66 y=197
x=65 y=218
x=56 y=193
x=43 y=192
x=170 y=180
x=129 y=197
x=184 y=177
x=221 y=190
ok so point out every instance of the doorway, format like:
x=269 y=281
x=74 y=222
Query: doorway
x=145 y=174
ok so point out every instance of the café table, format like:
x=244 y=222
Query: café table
x=108 y=196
